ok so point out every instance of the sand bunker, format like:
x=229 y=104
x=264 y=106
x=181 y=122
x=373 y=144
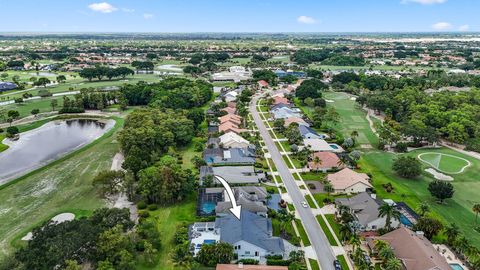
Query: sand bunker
x=438 y=175
x=63 y=217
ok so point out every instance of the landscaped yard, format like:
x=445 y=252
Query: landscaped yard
x=303 y=234
x=327 y=232
x=62 y=186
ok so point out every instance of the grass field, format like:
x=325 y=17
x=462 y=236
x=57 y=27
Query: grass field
x=167 y=219
x=62 y=186
x=327 y=232
x=451 y=164
x=458 y=209
x=26 y=107
x=352 y=118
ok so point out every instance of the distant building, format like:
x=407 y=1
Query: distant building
x=233 y=156
x=232 y=174
x=235 y=74
x=6 y=86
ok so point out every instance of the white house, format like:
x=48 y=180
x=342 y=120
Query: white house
x=233 y=140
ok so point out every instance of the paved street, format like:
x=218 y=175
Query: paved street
x=318 y=239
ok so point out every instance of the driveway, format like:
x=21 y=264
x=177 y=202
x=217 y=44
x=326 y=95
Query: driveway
x=319 y=241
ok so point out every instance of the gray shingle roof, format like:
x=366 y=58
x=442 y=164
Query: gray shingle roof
x=363 y=205
x=251 y=228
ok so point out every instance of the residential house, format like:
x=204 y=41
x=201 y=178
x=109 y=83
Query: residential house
x=231 y=96
x=364 y=209
x=229 y=110
x=251 y=198
x=232 y=156
x=282 y=111
x=235 y=74
x=412 y=248
x=309 y=133
x=233 y=174
x=233 y=140
x=297 y=120
x=280 y=100
x=349 y=181
x=233 y=118
x=263 y=84
x=230 y=127
x=327 y=161
x=319 y=145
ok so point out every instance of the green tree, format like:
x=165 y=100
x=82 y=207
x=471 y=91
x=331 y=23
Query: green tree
x=212 y=254
x=429 y=226
x=109 y=182
x=388 y=211
x=53 y=104
x=423 y=208
x=407 y=167
x=61 y=78
x=393 y=264
x=441 y=190
x=452 y=231
x=35 y=112
x=476 y=210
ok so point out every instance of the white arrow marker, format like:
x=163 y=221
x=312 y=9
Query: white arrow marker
x=236 y=209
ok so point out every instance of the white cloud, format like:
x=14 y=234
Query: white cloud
x=424 y=2
x=306 y=20
x=464 y=28
x=103 y=7
x=442 y=26
x=147 y=16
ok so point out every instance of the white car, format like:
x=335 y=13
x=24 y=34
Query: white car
x=304 y=204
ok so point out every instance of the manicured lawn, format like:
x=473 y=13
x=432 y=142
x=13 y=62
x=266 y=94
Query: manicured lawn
x=314 y=264
x=445 y=163
x=327 y=232
x=303 y=234
x=43 y=105
x=352 y=118
x=312 y=176
x=458 y=209
x=310 y=201
x=343 y=262
x=3 y=147
x=167 y=219
x=64 y=185
x=335 y=226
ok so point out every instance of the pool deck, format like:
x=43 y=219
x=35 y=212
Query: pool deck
x=449 y=255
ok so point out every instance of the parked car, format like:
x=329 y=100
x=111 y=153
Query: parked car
x=304 y=204
x=337 y=265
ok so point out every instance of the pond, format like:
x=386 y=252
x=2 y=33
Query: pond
x=40 y=146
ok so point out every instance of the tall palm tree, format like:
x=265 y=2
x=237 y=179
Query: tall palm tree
x=393 y=264
x=461 y=244
x=423 y=209
x=380 y=244
x=452 y=231
x=476 y=210
x=386 y=254
x=285 y=218
x=355 y=241
x=345 y=232
x=317 y=162
x=388 y=211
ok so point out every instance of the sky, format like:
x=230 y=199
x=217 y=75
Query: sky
x=239 y=16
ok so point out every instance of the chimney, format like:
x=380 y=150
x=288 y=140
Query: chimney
x=240 y=265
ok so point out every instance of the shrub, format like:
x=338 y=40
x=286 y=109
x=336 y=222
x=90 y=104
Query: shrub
x=143 y=214
x=279 y=262
x=141 y=205
x=407 y=167
x=401 y=147
x=152 y=207
x=248 y=261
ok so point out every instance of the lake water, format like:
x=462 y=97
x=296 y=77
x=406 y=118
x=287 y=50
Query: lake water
x=47 y=143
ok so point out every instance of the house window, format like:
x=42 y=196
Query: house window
x=239 y=247
x=247 y=252
x=256 y=253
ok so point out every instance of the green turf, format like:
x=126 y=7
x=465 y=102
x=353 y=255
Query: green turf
x=451 y=164
x=303 y=234
x=327 y=232
x=314 y=264
x=335 y=226
x=458 y=209
x=26 y=107
x=62 y=186
x=167 y=219
x=343 y=262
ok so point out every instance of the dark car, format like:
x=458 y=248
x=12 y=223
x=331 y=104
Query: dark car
x=337 y=265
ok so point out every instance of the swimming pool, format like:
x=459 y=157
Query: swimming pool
x=456 y=266
x=334 y=146
x=405 y=221
x=209 y=242
x=208 y=207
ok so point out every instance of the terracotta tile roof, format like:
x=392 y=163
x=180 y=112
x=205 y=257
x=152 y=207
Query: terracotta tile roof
x=346 y=178
x=328 y=160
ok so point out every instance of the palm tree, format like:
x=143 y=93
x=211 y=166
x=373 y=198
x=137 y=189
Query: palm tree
x=393 y=264
x=386 y=254
x=285 y=218
x=380 y=244
x=345 y=232
x=423 y=209
x=354 y=134
x=461 y=244
x=476 y=210
x=452 y=231
x=355 y=241
x=388 y=211
x=317 y=162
